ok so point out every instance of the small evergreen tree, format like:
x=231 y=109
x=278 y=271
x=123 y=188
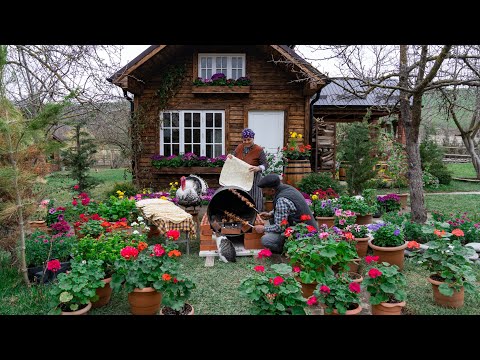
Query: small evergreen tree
x=356 y=148
x=79 y=158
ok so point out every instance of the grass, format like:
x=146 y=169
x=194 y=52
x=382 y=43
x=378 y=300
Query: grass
x=462 y=170
x=447 y=204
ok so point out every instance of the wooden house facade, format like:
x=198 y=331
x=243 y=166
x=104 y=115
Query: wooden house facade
x=208 y=120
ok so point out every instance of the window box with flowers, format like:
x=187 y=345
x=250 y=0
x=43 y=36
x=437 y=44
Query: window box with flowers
x=219 y=84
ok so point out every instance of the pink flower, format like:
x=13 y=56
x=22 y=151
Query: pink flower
x=369 y=259
x=296 y=269
x=264 y=253
x=158 y=250
x=76 y=187
x=325 y=289
x=324 y=235
x=74 y=202
x=312 y=300
x=53 y=265
x=373 y=273
x=354 y=287
x=278 y=280
x=259 y=268
x=85 y=201
x=288 y=232
x=173 y=234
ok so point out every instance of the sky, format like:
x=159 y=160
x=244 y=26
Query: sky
x=326 y=67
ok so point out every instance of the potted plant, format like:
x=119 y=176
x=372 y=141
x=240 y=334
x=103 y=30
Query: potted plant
x=388 y=203
x=386 y=286
x=338 y=295
x=274 y=291
x=359 y=206
x=397 y=169
x=176 y=291
x=361 y=236
x=388 y=243
x=40 y=248
x=37 y=219
x=72 y=294
x=324 y=205
x=143 y=272
x=446 y=259
x=297 y=158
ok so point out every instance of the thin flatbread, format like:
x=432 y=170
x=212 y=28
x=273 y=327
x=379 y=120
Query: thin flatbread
x=235 y=173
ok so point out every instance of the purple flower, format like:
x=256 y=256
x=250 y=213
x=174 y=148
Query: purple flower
x=396 y=232
x=218 y=76
x=52 y=211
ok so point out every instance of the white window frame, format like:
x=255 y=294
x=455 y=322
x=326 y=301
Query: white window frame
x=229 y=63
x=203 y=126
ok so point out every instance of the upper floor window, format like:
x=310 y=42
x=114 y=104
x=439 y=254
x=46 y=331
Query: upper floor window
x=232 y=65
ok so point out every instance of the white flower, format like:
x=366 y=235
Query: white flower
x=147 y=228
x=134 y=224
x=84 y=261
x=140 y=218
x=135 y=232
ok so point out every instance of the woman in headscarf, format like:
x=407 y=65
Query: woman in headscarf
x=254 y=155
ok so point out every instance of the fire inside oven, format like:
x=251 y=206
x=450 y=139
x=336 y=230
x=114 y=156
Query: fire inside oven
x=231 y=211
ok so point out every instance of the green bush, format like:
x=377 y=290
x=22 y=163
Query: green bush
x=432 y=161
x=315 y=181
x=127 y=187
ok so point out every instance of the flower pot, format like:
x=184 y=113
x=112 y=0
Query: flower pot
x=355 y=311
x=144 y=301
x=454 y=301
x=385 y=308
x=393 y=255
x=362 y=246
x=327 y=220
x=38 y=225
x=307 y=289
x=364 y=219
x=104 y=294
x=187 y=310
x=268 y=205
x=82 y=311
x=355 y=276
x=403 y=200
x=296 y=171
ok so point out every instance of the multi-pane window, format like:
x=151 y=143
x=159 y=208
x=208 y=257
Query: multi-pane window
x=200 y=132
x=232 y=65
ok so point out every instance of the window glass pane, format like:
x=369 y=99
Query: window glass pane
x=175 y=122
x=188 y=119
x=234 y=62
x=203 y=61
x=166 y=150
x=188 y=136
x=203 y=74
x=196 y=119
x=209 y=138
x=175 y=136
x=188 y=148
x=196 y=149
x=209 y=151
x=235 y=74
x=218 y=120
x=240 y=62
x=166 y=119
x=209 y=117
x=196 y=136
x=208 y=75
x=218 y=150
x=167 y=135
x=218 y=136
x=209 y=62
x=176 y=149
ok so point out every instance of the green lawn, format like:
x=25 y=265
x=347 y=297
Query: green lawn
x=462 y=170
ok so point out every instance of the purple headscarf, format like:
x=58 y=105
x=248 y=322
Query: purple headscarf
x=248 y=133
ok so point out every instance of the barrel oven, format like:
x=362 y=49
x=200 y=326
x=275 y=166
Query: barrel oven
x=231 y=212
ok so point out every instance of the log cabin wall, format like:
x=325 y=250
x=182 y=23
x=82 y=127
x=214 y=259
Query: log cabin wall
x=271 y=89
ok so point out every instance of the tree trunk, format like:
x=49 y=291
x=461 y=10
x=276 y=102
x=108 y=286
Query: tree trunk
x=470 y=145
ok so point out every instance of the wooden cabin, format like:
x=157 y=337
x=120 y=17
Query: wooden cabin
x=171 y=115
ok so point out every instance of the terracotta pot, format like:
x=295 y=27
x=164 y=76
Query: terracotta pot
x=268 y=205
x=144 y=301
x=355 y=311
x=403 y=200
x=307 y=289
x=82 y=311
x=388 y=308
x=353 y=265
x=393 y=255
x=364 y=219
x=192 y=311
x=104 y=294
x=38 y=224
x=328 y=220
x=454 y=301
x=362 y=246
x=355 y=276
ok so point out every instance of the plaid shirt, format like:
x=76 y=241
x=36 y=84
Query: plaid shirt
x=283 y=208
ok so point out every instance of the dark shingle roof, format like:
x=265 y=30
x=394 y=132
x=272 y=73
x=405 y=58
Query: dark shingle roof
x=336 y=94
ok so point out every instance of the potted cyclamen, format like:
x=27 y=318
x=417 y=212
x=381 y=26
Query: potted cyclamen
x=274 y=291
x=388 y=243
x=386 y=286
x=451 y=273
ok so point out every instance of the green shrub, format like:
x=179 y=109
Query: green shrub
x=432 y=161
x=315 y=181
x=127 y=187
